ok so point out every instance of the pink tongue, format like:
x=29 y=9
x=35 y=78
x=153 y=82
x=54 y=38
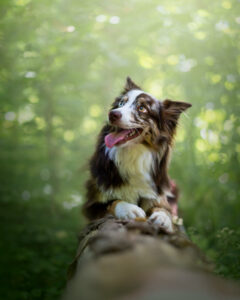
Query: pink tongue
x=113 y=138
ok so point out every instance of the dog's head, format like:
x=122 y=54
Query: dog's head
x=138 y=117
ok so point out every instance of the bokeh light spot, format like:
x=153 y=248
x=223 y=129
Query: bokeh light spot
x=10 y=116
x=172 y=60
x=226 y=4
x=200 y=35
x=114 y=20
x=95 y=110
x=146 y=61
x=101 y=18
x=89 y=125
x=68 y=135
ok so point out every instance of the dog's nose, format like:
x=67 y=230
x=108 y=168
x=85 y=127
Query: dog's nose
x=114 y=116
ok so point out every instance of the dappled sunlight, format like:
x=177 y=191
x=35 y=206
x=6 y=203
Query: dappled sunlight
x=215 y=133
x=145 y=61
x=154 y=87
x=74 y=69
x=77 y=67
x=40 y=122
x=89 y=125
x=64 y=63
x=210 y=117
x=25 y=114
x=95 y=111
x=75 y=200
x=68 y=135
x=10 y=116
x=181 y=135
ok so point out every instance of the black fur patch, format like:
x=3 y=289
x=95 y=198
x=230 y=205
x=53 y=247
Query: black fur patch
x=102 y=168
x=160 y=173
x=93 y=208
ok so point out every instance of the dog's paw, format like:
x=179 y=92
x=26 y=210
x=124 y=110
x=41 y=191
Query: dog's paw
x=162 y=219
x=124 y=210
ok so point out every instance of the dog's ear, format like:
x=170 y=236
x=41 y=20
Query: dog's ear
x=172 y=111
x=130 y=85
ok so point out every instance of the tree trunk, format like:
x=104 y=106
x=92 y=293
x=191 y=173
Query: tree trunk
x=135 y=260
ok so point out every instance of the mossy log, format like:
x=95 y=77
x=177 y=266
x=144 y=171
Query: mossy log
x=136 y=260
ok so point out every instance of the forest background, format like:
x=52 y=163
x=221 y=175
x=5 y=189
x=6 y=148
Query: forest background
x=61 y=65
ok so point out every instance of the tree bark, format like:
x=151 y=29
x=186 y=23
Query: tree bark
x=135 y=260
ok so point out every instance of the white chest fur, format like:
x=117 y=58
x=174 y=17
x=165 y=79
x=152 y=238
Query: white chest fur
x=135 y=164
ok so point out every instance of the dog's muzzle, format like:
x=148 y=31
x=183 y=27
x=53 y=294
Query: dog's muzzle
x=114 y=116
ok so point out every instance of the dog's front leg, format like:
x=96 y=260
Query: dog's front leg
x=124 y=210
x=161 y=216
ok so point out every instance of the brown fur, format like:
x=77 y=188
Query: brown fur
x=162 y=119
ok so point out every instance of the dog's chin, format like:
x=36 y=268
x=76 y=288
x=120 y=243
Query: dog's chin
x=141 y=136
x=137 y=140
x=144 y=138
x=135 y=136
x=124 y=136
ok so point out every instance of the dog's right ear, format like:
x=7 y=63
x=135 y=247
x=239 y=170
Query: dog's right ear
x=130 y=85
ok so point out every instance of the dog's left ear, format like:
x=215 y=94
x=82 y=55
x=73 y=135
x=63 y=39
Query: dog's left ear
x=130 y=85
x=172 y=111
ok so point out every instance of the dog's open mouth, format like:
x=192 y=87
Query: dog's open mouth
x=121 y=136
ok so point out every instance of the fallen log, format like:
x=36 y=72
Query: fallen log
x=136 y=260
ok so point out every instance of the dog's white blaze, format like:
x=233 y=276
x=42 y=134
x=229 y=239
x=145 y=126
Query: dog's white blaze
x=126 y=110
x=133 y=94
x=134 y=163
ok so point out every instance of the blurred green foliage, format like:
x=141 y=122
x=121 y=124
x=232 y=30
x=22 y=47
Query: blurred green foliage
x=62 y=64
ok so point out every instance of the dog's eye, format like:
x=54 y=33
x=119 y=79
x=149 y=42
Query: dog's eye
x=121 y=103
x=141 y=108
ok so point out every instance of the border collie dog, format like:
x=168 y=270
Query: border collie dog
x=129 y=169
